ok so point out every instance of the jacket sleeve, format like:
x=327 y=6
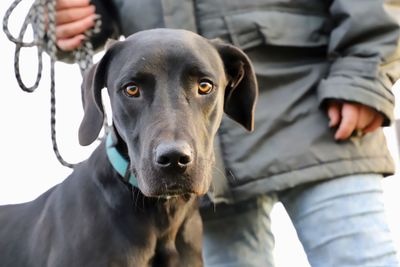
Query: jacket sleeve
x=109 y=28
x=364 y=51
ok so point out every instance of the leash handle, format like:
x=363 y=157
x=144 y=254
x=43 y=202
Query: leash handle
x=19 y=43
x=45 y=38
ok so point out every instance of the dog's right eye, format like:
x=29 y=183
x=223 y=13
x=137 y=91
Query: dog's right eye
x=132 y=90
x=205 y=87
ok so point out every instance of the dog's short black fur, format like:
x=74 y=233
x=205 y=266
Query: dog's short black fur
x=168 y=90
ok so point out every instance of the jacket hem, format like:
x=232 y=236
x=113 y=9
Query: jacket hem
x=314 y=173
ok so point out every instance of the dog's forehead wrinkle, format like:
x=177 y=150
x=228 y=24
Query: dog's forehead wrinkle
x=175 y=56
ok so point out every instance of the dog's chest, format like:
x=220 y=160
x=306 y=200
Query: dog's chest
x=170 y=214
x=170 y=221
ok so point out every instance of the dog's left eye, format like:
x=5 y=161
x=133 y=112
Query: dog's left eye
x=205 y=87
x=132 y=90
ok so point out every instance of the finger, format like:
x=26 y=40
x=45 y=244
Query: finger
x=349 y=121
x=62 y=4
x=70 y=43
x=74 y=28
x=375 y=124
x=69 y=15
x=366 y=116
x=334 y=113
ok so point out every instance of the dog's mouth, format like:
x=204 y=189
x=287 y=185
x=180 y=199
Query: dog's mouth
x=172 y=191
x=176 y=191
x=185 y=196
x=171 y=187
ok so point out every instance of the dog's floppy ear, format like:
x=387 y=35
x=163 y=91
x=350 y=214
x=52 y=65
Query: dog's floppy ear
x=242 y=90
x=92 y=122
x=93 y=81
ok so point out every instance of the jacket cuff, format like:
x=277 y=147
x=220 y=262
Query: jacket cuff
x=359 y=80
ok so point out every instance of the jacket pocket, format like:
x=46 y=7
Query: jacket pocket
x=278 y=28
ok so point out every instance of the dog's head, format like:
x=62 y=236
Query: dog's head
x=168 y=90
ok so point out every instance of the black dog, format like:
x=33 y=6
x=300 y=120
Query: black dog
x=133 y=202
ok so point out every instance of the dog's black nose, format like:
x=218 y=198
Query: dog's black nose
x=173 y=155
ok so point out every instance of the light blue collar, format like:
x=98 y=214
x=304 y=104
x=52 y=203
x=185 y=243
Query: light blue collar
x=120 y=164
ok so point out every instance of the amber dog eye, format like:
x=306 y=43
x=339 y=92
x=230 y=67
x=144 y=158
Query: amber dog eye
x=132 y=90
x=205 y=87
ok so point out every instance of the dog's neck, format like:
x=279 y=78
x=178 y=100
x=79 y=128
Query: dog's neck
x=119 y=161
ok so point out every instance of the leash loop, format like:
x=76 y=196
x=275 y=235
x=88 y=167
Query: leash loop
x=44 y=39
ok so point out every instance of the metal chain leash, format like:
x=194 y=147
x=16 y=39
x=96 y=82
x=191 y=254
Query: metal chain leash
x=44 y=38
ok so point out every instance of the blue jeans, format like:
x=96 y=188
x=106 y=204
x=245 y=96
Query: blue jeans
x=340 y=223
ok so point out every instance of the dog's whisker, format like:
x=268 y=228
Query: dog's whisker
x=212 y=187
x=222 y=172
x=136 y=200
x=232 y=175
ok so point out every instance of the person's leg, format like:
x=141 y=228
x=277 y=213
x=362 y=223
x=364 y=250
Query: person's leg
x=239 y=235
x=341 y=222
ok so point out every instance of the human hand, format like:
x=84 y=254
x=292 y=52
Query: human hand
x=348 y=117
x=73 y=18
